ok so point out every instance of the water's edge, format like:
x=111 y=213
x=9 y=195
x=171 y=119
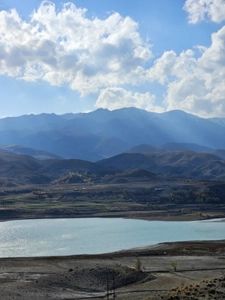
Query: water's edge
x=86 y=236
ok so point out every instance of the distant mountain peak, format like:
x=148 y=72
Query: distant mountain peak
x=103 y=133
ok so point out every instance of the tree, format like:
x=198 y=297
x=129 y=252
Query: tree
x=174 y=265
x=138 y=264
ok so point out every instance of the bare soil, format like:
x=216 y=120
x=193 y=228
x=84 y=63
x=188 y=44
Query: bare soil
x=190 y=269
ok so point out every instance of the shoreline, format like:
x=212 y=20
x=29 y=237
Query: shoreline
x=151 y=250
x=173 y=218
x=131 y=251
x=84 y=276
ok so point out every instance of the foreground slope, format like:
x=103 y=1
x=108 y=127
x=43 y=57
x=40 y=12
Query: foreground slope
x=199 y=274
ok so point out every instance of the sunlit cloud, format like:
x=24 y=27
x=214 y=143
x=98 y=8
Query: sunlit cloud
x=115 y=98
x=201 y=10
x=194 y=84
x=64 y=47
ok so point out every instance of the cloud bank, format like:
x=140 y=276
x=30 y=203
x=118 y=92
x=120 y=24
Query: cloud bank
x=92 y=55
x=196 y=85
x=65 y=47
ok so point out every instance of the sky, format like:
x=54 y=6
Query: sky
x=78 y=56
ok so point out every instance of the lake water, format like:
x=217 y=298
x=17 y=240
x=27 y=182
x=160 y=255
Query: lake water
x=50 y=237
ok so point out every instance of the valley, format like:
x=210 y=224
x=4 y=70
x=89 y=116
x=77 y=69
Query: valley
x=103 y=164
x=107 y=192
x=112 y=150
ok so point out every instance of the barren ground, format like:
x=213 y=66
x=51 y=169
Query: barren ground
x=83 y=277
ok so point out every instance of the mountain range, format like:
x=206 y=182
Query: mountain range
x=102 y=133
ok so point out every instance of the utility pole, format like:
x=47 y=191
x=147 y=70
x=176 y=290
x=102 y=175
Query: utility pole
x=107 y=286
x=113 y=291
x=110 y=288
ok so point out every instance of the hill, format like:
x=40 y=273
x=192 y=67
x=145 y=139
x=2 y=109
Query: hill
x=180 y=163
x=22 y=169
x=19 y=169
x=169 y=147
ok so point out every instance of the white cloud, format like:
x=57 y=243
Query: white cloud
x=196 y=85
x=169 y=65
x=114 y=98
x=200 y=10
x=65 y=47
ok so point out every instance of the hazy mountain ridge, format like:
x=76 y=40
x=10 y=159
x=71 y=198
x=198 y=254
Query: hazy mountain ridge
x=170 y=147
x=36 y=153
x=103 y=133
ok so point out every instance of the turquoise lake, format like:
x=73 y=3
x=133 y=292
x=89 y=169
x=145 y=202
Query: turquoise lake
x=51 y=237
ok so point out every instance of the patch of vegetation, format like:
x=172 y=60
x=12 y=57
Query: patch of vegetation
x=212 y=289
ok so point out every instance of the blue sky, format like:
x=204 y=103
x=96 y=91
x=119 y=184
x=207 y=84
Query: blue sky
x=82 y=55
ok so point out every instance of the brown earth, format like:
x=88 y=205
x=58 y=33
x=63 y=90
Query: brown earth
x=168 y=271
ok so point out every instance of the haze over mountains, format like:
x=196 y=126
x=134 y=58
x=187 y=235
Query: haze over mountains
x=103 y=133
x=173 y=143
x=36 y=153
x=171 y=147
